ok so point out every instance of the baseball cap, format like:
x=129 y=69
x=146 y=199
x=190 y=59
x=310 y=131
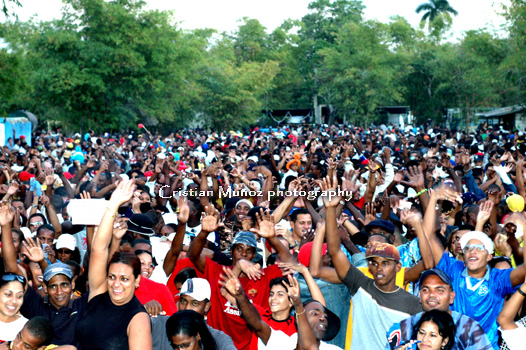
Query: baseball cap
x=385 y=250
x=481 y=236
x=382 y=224
x=58 y=268
x=197 y=288
x=25 y=176
x=437 y=272
x=66 y=241
x=515 y=202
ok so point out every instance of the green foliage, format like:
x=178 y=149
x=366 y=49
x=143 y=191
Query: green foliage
x=108 y=65
x=434 y=8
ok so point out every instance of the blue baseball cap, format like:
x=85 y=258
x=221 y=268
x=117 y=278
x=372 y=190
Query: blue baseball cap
x=58 y=268
x=437 y=272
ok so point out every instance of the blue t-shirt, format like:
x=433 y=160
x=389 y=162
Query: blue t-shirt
x=484 y=302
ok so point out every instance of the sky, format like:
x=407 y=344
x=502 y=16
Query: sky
x=225 y=15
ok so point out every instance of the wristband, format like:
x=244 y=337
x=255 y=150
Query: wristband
x=521 y=292
x=421 y=192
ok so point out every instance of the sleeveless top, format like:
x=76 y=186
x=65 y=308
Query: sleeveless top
x=105 y=325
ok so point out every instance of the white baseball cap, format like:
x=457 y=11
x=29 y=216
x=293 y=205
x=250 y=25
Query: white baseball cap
x=197 y=288
x=66 y=241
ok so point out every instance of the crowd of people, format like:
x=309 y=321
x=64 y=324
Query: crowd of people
x=300 y=237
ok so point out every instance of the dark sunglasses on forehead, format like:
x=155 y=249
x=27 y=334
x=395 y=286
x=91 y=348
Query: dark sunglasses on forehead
x=11 y=277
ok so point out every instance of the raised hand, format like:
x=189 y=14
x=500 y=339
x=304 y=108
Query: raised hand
x=370 y=213
x=13 y=188
x=50 y=177
x=485 y=211
x=230 y=282
x=7 y=214
x=34 y=251
x=410 y=217
x=44 y=199
x=123 y=193
x=210 y=221
x=293 y=290
x=184 y=210
x=120 y=227
x=416 y=178
x=330 y=196
x=266 y=224
x=446 y=193
x=494 y=195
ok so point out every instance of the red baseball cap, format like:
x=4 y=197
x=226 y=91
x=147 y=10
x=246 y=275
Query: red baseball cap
x=385 y=250
x=25 y=176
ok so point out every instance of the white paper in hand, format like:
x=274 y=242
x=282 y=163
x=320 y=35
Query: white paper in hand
x=87 y=211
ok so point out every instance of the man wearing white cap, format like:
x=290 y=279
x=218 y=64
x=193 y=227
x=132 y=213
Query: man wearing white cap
x=195 y=295
x=480 y=290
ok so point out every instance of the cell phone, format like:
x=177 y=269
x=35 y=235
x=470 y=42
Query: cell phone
x=44 y=246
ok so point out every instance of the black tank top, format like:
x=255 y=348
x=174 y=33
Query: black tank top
x=105 y=325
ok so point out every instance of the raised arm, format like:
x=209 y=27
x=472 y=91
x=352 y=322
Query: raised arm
x=209 y=223
x=331 y=201
x=266 y=230
x=51 y=215
x=430 y=219
x=306 y=337
x=315 y=267
x=7 y=214
x=103 y=237
x=414 y=219
x=170 y=261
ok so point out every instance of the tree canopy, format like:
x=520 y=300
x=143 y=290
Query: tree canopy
x=107 y=65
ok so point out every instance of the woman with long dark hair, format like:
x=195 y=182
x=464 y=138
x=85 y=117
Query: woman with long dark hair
x=187 y=330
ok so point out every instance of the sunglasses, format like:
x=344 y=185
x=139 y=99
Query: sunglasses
x=37 y=223
x=14 y=277
x=476 y=247
x=64 y=251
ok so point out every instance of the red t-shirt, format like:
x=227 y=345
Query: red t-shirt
x=149 y=290
x=226 y=317
x=287 y=326
x=360 y=203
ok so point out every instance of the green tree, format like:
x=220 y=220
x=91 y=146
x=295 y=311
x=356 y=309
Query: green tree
x=107 y=65
x=363 y=70
x=434 y=8
x=7 y=3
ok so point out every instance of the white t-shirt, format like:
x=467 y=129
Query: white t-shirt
x=514 y=338
x=279 y=340
x=8 y=331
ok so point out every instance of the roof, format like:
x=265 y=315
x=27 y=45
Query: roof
x=499 y=112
